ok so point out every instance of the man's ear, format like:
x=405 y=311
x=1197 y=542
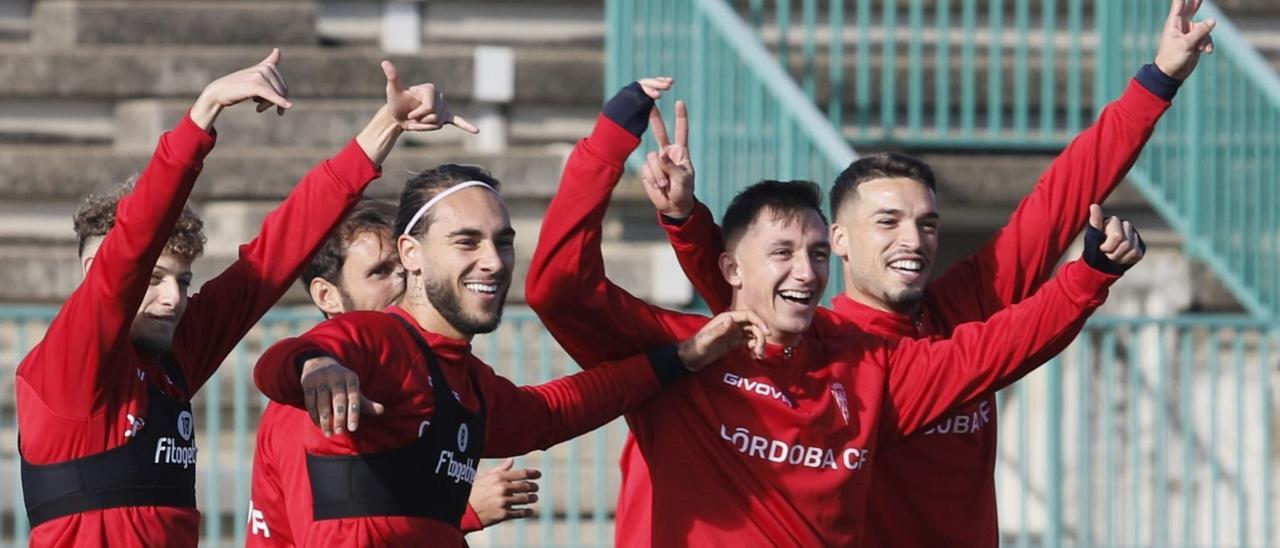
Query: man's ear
x=840 y=241
x=326 y=296
x=86 y=262
x=729 y=269
x=409 y=249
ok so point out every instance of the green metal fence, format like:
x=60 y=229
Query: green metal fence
x=1010 y=74
x=1212 y=169
x=1146 y=432
x=748 y=119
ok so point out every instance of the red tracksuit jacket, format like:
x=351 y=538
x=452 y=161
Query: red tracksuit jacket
x=938 y=488
x=776 y=451
x=393 y=371
x=79 y=388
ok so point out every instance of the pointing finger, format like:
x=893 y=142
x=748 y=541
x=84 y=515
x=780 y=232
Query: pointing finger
x=658 y=127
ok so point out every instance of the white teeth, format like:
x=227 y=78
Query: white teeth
x=482 y=288
x=798 y=295
x=907 y=264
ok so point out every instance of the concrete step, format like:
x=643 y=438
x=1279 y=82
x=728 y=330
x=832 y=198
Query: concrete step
x=71 y=23
x=67 y=172
x=115 y=73
x=331 y=123
x=493 y=22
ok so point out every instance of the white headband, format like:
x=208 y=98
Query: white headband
x=436 y=199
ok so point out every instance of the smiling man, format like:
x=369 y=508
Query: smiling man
x=357 y=268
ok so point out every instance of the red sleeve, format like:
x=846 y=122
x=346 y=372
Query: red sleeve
x=698 y=244
x=347 y=338
x=927 y=378
x=470 y=521
x=72 y=366
x=537 y=417
x=566 y=283
x=230 y=304
x=1022 y=254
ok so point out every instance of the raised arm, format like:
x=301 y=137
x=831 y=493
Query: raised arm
x=593 y=319
x=230 y=304
x=69 y=366
x=1023 y=253
x=927 y=378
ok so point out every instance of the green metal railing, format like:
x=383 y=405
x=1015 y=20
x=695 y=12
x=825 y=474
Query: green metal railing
x=748 y=119
x=1010 y=74
x=1145 y=432
x=1212 y=169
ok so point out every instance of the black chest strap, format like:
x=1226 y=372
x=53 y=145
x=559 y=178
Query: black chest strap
x=429 y=478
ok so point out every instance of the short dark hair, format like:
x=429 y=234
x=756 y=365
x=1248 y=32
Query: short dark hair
x=97 y=215
x=424 y=186
x=367 y=216
x=786 y=199
x=884 y=165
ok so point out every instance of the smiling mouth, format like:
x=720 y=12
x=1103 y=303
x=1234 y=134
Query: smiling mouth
x=910 y=266
x=488 y=290
x=796 y=296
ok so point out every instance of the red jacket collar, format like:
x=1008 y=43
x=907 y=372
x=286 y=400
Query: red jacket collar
x=874 y=321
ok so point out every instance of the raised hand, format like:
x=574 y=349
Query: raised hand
x=332 y=396
x=668 y=174
x=421 y=107
x=1121 y=242
x=655 y=85
x=726 y=331
x=1183 y=40
x=500 y=494
x=261 y=82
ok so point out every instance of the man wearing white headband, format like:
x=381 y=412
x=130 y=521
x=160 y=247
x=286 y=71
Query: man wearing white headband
x=434 y=402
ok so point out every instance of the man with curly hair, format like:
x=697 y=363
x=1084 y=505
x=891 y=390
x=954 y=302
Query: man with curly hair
x=104 y=400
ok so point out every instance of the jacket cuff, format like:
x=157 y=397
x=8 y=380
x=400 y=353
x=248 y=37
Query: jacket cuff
x=629 y=108
x=188 y=143
x=352 y=169
x=1157 y=82
x=666 y=364
x=470 y=520
x=1085 y=284
x=678 y=228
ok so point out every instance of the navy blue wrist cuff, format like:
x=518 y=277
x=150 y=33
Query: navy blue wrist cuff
x=672 y=221
x=666 y=364
x=630 y=109
x=1157 y=82
x=1094 y=257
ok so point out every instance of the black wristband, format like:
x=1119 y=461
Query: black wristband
x=1094 y=257
x=1157 y=82
x=630 y=109
x=666 y=364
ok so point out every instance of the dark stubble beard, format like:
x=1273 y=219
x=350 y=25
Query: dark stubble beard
x=447 y=302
